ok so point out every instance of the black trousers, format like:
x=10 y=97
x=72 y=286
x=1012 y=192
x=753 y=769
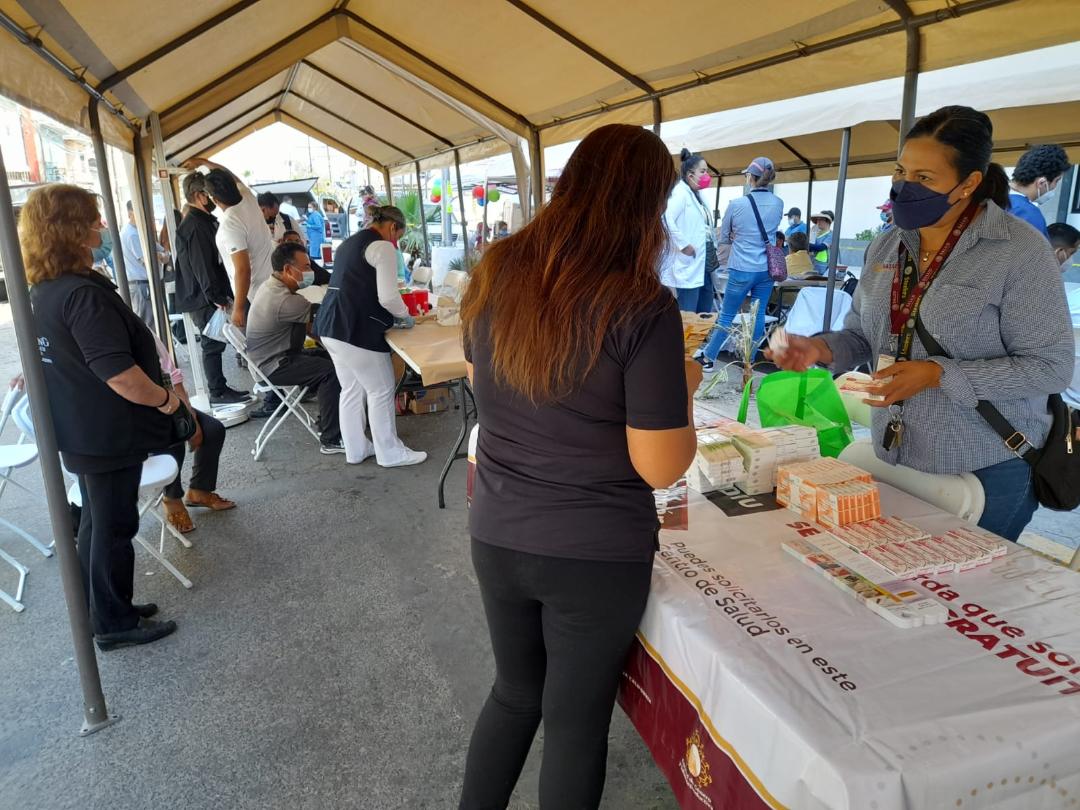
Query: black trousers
x=211 y=352
x=314 y=369
x=109 y=521
x=204 y=465
x=560 y=631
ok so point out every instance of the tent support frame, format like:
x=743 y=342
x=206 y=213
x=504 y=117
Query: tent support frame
x=107 y=202
x=798 y=52
x=461 y=205
x=144 y=62
x=343 y=120
x=95 y=712
x=248 y=111
x=384 y=107
x=423 y=214
x=834 y=248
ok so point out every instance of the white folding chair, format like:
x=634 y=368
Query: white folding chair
x=961 y=495
x=289 y=397
x=157 y=473
x=807 y=314
x=16 y=456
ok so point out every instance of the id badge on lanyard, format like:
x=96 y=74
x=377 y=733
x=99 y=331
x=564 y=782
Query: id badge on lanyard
x=908 y=290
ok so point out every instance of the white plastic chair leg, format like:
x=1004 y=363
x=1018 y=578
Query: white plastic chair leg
x=15 y=602
x=156 y=553
x=45 y=550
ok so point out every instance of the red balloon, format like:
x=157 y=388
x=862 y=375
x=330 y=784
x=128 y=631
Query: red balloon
x=478 y=192
x=436 y=197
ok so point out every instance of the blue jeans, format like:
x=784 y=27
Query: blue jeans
x=740 y=284
x=1010 y=498
x=697 y=299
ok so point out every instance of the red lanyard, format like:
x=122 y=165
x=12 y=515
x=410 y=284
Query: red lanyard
x=907 y=294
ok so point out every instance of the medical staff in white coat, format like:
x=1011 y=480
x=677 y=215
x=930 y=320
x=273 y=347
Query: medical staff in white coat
x=690 y=224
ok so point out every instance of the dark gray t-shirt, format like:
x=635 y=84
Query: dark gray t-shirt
x=556 y=479
x=272 y=324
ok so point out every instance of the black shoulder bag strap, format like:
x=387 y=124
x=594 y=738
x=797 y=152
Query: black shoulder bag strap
x=1013 y=438
x=757 y=216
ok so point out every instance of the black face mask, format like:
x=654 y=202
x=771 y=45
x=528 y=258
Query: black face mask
x=210 y=206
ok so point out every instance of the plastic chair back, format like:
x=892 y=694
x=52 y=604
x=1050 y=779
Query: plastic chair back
x=11 y=399
x=808 y=312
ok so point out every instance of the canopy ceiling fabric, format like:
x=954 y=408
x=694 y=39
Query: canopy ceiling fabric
x=873 y=145
x=395 y=82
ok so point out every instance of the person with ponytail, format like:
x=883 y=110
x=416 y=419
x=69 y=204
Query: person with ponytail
x=959 y=303
x=684 y=267
x=748 y=267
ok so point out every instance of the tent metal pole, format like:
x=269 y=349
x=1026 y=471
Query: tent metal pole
x=461 y=204
x=389 y=187
x=809 y=201
x=657 y=115
x=150 y=254
x=423 y=215
x=716 y=205
x=95 y=713
x=107 y=202
x=911 y=81
x=834 y=248
x=536 y=164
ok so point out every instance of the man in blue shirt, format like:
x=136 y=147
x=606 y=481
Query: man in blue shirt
x=795 y=223
x=138 y=281
x=1034 y=180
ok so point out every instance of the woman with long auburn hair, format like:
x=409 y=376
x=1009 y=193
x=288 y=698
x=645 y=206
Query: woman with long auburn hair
x=576 y=356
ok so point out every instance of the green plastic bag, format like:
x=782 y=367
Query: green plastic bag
x=810 y=399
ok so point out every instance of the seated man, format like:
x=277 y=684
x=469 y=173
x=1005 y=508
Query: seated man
x=798 y=260
x=277 y=326
x=322 y=275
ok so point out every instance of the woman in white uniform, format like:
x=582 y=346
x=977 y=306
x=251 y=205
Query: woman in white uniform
x=690 y=228
x=361 y=304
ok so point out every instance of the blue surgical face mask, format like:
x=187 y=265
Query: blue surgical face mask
x=884 y=216
x=916 y=206
x=307 y=280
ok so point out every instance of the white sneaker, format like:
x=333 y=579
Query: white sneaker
x=368 y=454
x=411 y=457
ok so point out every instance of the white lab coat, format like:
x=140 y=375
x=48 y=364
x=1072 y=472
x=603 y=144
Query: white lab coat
x=688 y=223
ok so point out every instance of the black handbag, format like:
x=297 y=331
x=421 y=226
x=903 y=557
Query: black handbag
x=1056 y=466
x=712 y=261
x=183 y=424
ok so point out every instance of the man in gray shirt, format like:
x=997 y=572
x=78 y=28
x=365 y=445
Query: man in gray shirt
x=276 y=328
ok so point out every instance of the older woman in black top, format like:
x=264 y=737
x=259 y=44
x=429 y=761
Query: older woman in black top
x=576 y=354
x=108 y=403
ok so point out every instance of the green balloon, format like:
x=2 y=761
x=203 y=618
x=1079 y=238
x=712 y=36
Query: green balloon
x=493 y=195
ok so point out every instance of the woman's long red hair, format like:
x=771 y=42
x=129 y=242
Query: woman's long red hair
x=547 y=295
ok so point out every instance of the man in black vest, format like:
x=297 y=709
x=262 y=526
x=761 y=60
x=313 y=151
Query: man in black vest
x=202 y=285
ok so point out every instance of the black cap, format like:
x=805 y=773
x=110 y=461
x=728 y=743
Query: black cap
x=793 y=212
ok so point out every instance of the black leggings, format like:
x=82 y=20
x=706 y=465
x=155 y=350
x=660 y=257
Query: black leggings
x=560 y=631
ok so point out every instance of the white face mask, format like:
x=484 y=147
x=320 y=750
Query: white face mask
x=1046 y=195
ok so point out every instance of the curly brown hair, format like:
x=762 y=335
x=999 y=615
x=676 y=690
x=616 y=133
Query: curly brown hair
x=53 y=227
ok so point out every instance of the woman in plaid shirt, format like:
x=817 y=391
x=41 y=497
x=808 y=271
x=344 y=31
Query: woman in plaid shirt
x=987 y=288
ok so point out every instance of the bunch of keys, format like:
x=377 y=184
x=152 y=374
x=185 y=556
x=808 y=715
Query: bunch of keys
x=894 y=431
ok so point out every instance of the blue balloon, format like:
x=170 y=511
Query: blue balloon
x=481 y=202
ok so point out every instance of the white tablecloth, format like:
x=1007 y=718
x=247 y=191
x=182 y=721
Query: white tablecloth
x=756 y=683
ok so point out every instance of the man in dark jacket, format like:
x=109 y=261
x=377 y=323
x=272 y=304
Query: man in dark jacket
x=202 y=285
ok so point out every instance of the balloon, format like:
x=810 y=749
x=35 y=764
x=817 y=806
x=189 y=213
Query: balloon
x=437 y=183
x=478 y=193
x=481 y=202
x=493 y=195
x=436 y=196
